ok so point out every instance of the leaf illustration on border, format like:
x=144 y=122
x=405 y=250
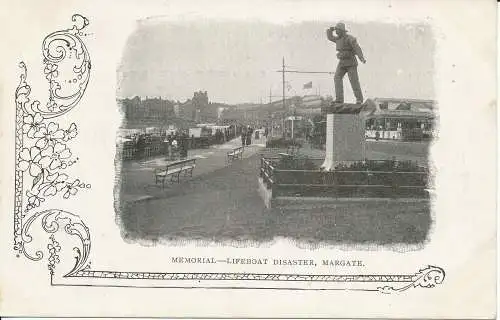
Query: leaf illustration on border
x=37 y=179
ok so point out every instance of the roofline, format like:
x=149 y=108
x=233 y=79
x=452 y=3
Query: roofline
x=404 y=100
x=403 y=115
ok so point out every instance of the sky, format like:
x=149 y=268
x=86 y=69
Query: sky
x=236 y=61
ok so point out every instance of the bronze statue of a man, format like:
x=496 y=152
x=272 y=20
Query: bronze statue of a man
x=347 y=50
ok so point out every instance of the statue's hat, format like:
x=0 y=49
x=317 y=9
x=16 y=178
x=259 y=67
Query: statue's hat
x=340 y=26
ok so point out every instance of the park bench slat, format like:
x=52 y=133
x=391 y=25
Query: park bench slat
x=235 y=154
x=174 y=169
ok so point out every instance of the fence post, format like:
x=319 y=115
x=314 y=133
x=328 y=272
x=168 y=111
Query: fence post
x=262 y=168
x=274 y=187
x=395 y=184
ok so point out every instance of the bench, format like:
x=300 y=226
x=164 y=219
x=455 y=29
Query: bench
x=236 y=153
x=174 y=170
x=285 y=155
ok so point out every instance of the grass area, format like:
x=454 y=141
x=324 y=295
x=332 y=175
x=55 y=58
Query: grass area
x=378 y=222
x=225 y=205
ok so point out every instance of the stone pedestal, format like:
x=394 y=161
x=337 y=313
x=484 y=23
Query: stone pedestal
x=345 y=135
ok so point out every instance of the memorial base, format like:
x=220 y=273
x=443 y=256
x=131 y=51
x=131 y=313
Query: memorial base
x=345 y=135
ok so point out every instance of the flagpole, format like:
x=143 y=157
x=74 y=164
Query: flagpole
x=284 y=109
x=283 y=80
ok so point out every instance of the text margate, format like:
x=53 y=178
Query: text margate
x=245 y=261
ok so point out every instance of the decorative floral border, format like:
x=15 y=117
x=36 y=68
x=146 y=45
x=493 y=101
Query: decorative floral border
x=42 y=147
x=42 y=156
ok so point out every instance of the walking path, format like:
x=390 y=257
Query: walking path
x=137 y=176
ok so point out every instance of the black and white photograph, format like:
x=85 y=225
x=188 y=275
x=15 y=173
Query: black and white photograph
x=318 y=132
x=248 y=159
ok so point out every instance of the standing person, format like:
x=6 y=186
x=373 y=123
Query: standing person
x=220 y=137
x=141 y=146
x=165 y=145
x=243 y=138
x=183 y=146
x=174 y=146
x=169 y=146
x=347 y=50
x=249 y=136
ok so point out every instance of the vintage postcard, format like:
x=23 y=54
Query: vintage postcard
x=331 y=159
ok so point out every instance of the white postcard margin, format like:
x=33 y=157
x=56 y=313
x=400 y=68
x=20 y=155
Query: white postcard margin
x=463 y=243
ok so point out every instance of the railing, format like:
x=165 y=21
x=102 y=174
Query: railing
x=130 y=151
x=390 y=179
x=266 y=172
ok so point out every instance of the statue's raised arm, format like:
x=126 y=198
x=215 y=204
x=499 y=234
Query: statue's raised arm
x=329 y=34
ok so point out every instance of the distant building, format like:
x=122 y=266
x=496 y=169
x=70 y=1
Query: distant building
x=400 y=119
x=199 y=109
x=389 y=119
x=187 y=110
x=177 y=110
x=313 y=105
x=149 y=110
x=251 y=114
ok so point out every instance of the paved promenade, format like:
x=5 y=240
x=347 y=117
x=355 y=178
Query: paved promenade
x=137 y=176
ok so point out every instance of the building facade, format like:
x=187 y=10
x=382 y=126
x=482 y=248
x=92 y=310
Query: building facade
x=401 y=119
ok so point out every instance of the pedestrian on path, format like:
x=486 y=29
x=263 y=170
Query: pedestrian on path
x=174 y=148
x=183 y=147
x=249 y=137
x=141 y=147
x=243 y=138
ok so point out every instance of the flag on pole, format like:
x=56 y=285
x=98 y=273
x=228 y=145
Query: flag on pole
x=308 y=85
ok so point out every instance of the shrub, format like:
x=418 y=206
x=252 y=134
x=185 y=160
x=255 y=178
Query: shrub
x=380 y=165
x=281 y=143
x=296 y=162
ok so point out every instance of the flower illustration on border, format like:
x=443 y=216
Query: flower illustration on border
x=51 y=71
x=53 y=260
x=71 y=132
x=33 y=199
x=71 y=189
x=30 y=161
x=49 y=134
x=52 y=156
x=57 y=182
x=54 y=247
x=52 y=105
x=32 y=124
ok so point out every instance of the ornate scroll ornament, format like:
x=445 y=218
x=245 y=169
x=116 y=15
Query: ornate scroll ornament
x=67 y=68
x=42 y=146
x=51 y=221
x=428 y=277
